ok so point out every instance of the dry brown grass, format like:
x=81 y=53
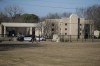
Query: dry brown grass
x=53 y=54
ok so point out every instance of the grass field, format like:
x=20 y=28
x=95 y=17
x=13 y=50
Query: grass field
x=52 y=54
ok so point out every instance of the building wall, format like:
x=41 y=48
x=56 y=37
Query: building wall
x=82 y=23
x=64 y=25
x=73 y=30
x=73 y=26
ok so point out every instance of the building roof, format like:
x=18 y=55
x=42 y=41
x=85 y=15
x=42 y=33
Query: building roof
x=19 y=24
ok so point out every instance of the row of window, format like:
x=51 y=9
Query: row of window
x=65 y=29
x=65 y=24
x=60 y=29
x=66 y=33
x=60 y=24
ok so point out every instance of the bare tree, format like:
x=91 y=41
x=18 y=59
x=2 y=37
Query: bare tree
x=40 y=28
x=81 y=12
x=11 y=11
x=53 y=16
x=93 y=13
x=50 y=27
x=3 y=17
x=65 y=14
x=47 y=28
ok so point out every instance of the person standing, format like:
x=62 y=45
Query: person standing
x=33 y=36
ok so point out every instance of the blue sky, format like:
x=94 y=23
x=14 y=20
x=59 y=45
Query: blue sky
x=43 y=7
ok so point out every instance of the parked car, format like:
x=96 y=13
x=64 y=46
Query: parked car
x=28 y=38
x=20 y=37
x=41 y=38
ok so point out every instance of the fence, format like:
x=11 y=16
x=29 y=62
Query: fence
x=75 y=38
x=63 y=38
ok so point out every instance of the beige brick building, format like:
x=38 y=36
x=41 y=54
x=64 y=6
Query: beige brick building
x=74 y=26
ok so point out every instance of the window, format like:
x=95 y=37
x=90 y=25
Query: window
x=80 y=33
x=52 y=29
x=80 y=25
x=65 y=28
x=65 y=24
x=65 y=33
x=52 y=24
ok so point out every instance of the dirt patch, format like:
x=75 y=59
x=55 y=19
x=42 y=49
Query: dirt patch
x=53 y=54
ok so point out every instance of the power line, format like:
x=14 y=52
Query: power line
x=48 y=1
x=57 y=1
x=55 y=7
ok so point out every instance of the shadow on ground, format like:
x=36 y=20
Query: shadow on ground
x=6 y=47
